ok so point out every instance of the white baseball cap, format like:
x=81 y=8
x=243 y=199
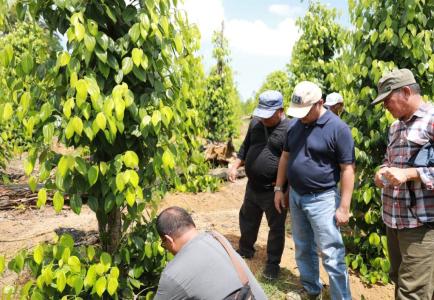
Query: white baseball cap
x=333 y=98
x=305 y=95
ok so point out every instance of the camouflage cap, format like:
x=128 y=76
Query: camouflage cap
x=392 y=81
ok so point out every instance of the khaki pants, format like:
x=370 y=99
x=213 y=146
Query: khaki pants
x=411 y=253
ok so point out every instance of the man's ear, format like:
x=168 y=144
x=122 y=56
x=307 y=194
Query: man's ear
x=168 y=238
x=407 y=91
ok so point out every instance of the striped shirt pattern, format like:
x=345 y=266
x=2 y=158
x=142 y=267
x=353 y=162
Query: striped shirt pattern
x=405 y=139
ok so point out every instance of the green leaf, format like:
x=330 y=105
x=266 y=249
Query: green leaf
x=90 y=252
x=102 y=40
x=7 y=111
x=100 y=285
x=133 y=177
x=77 y=124
x=42 y=197
x=130 y=197
x=106 y=259
x=119 y=76
x=27 y=63
x=156 y=118
x=102 y=55
x=2 y=263
x=79 y=31
x=64 y=58
x=75 y=202
x=127 y=65
x=81 y=86
x=131 y=160
x=178 y=44
x=137 y=56
x=92 y=175
x=120 y=183
x=38 y=254
x=74 y=263
x=134 y=32
x=61 y=281
x=32 y=183
x=93 y=203
x=58 y=201
x=101 y=121
x=374 y=239
x=112 y=285
x=80 y=166
x=168 y=159
x=89 y=42
x=103 y=167
x=119 y=108
x=90 y=278
x=114 y=272
x=109 y=203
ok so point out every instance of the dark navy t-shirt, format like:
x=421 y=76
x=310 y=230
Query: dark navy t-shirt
x=261 y=152
x=315 y=152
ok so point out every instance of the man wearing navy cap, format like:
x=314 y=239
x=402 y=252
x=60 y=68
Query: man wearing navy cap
x=260 y=153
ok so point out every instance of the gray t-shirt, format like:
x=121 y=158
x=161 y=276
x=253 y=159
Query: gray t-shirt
x=203 y=270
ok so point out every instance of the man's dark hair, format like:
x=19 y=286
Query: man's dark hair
x=174 y=221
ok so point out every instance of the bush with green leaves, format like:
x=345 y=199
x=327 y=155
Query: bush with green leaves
x=221 y=104
x=124 y=92
x=21 y=38
x=279 y=81
x=319 y=45
x=388 y=34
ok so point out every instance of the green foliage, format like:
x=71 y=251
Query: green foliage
x=61 y=270
x=221 y=104
x=319 y=45
x=277 y=80
x=125 y=92
x=391 y=34
x=16 y=45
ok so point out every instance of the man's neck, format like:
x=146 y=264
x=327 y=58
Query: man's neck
x=186 y=237
x=416 y=104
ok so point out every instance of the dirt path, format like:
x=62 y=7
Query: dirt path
x=26 y=228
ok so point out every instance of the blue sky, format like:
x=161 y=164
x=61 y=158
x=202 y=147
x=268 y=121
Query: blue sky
x=260 y=33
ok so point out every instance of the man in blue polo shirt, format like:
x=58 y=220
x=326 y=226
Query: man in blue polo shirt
x=318 y=153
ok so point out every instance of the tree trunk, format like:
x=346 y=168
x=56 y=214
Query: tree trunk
x=110 y=230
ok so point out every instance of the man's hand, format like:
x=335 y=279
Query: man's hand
x=379 y=177
x=279 y=201
x=342 y=216
x=396 y=176
x=232 y=174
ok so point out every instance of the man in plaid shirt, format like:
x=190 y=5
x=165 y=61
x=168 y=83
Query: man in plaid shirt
x=409 y=225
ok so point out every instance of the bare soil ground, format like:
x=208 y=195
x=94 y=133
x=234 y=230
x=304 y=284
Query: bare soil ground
x=24 y=228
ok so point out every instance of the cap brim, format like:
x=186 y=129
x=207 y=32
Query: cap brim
x=381 y=97
x=298 y=111
x=263 y=113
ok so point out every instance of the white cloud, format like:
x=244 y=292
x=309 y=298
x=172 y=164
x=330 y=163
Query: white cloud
x=256 y=37
x=286 y=10
x=207 y=15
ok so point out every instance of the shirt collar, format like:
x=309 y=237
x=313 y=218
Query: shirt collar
x=420 y=112
x=324 y=118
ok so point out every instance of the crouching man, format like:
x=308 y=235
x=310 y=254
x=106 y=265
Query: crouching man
x=204 y=267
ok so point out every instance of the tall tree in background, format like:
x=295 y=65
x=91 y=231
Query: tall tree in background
x=123 y=96
x=388 y=34
x=19 y=37
x=319 y=45
x=221 y=103
x=277 y=80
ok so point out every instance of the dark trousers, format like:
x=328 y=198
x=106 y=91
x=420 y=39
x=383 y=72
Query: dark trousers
x=411 y=254
x=254 y=205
